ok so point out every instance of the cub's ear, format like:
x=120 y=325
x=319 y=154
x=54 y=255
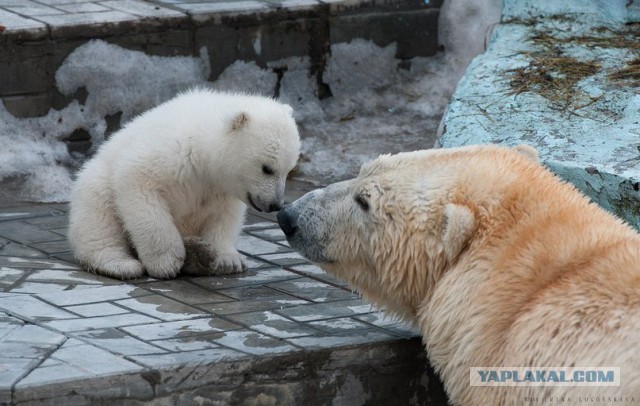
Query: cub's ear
x=239 y=121
x=459 y=225
x=527 y=151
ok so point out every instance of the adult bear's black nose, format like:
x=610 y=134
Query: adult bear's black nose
x=287 y=220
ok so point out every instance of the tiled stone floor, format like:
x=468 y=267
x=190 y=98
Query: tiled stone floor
x=57 y=14
x=60 y=325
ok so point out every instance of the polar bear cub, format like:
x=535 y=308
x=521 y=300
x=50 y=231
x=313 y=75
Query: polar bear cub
x=184 y=170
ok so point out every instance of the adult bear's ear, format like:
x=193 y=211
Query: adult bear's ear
x=459 y=225
x=527 y=151
x=239 y=121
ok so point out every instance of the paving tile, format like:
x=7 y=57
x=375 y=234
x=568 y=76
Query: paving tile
x=270 y=234
x=13 y=369
x=254 y=293
x=339 y=325
x=380 y=319
x=93 y=295
x=141 y=9
x=37 y=288
x=252 y=342
x=199 y=357
x=33 y=10
x=178 y=329
x=161 y=308
x=191 y=343
x=100 y=322
x=15 y=22
x=96 y=309
x=118 y=342
x=256 y=223
x=82 y=8
x=237 y=307
x=322 y=311
x=26 y=233
x=249 y=244
x=74 y=277
x=33 y=334
x=236 y=7
x=81 y=19
x=53 y=247
x=49 y=222
x=186 y=292
x=9 y=248
x=247 y=278
x=316 y=272
x=360 y=337
x=273 y=324
x=78 y=360
x=33 y=263
x=313 y=290
x=285 y=258
x=31 y=308
x=10 y=276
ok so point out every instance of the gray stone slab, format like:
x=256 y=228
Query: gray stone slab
x=339 y=325
x=380 y=319
x=142 y=9
x=178 y=329
x=313 y=290
x=100 y=322
x=273 y=324
x=93 y=295
x=9 y=276
x=190 y=343
x=255 y=246
x=70 y=277
x=118 y=342
x=9 y=248
x=13 y=369
x=78 y=360
x=198 y=357
x=237 y=307
x=53 y=247
x=186 y=292
x=26 y=233
x=285 y=259
x=32 y=334
x=322 y=311
x=161 y=308
x=269 y=234
x=254 y=293
x=252 y=342
x=37 y=288
x=15 y=22
x=332 y=341
x=33 y=10
x=49 y=222
x=82 y=8
x=31 y=308
x=249 y=278
x=315 y=272
x=34 y=263
x=97 y=309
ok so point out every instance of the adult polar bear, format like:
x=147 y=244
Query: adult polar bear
x=183 y=169
x=497 y=261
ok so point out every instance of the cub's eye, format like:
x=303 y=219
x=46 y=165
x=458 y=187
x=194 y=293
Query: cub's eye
x=267 y=170
x=362 y=202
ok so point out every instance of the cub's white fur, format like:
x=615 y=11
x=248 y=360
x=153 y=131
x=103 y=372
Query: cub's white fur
x=181 y=172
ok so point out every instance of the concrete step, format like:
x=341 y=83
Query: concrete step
x=562 y=77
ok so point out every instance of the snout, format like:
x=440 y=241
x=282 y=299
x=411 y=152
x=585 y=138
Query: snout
x=287 y=220
x=260 y=204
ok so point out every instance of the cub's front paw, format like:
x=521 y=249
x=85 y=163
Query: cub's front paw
x=228 y=263
x=166 y=264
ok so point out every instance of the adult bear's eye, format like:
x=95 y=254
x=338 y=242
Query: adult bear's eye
x=362 y=202
x=267 y=170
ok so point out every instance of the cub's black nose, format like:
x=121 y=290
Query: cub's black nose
x=287 y=220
